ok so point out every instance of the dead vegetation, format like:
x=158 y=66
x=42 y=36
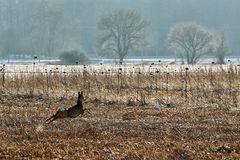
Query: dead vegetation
x=143 y=115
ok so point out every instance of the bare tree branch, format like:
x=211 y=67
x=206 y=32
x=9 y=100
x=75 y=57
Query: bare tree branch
x=122 y=31
x=190 y=40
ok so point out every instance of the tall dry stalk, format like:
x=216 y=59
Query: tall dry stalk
x=186 y=87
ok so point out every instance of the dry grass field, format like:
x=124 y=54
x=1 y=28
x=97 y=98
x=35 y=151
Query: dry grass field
x=153 y=113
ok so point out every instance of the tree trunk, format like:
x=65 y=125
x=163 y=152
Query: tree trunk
x=122 y=55
x=188 y=59
x=220 y=59
x=121 y=58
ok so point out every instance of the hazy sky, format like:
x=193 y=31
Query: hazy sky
x=81 y=18
x=214 y=14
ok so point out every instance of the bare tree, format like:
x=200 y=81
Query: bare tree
x=44 y=28
x=221 y=50
x=122 y=30
x=9 y=18
x=190 y=41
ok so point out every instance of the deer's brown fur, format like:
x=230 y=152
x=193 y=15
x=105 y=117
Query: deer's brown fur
x=72 y=112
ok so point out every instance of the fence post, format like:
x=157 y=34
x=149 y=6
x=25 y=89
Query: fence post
x=3 y=75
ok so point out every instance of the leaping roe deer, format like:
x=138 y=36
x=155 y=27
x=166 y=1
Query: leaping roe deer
x=72 y=112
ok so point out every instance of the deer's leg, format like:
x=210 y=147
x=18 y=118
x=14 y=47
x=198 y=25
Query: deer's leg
x=49 y=118
x=53 y=119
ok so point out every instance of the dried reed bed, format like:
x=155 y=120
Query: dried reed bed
x=191 y=113
x=155 y=84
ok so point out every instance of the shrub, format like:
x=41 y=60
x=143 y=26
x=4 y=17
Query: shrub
x=73 y=57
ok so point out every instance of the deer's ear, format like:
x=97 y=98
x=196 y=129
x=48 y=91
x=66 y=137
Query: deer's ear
x=81 y=92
